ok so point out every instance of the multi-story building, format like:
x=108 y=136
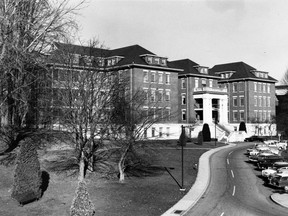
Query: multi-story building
x=146 y=71
x=186 y=92
x=251 y=94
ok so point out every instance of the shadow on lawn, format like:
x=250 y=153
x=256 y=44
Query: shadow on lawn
x=143 y=171
x=45 y=181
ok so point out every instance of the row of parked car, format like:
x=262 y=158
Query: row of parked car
x=267 y=156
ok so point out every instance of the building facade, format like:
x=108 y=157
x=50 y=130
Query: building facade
x=185 y=92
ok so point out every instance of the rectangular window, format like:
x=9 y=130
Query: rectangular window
x=204 y=82
x=167 y=131
x=149 y=60
x=153 y=131
x=259 y=87
x=196 y=82
x=255 y=100
x=167 y=79
x=268 y=102
x=264 y=116
x=242 y=102
x=160 y=132
x=269 y=115
x=145 y=133
x=255 y=86
x=235 y=104
x=183 y=83
x=211 y=83
x=260 y=101
x=153 y=76
x=75 y=76
x=264 y=87
x=160 y=78
x=256 y=114
x=235 y=115
x=167 y=95
x=157 y=61
x=183 y=115
x=153 y=96
x=160 y=95
x=268 y=88
x=260 y=115
x=183 y=99
x=234 y=87
x=145 y=94
x=146 y=79
x=264 y=101
x=167 y=113
x=241 y=115
x=56 y=74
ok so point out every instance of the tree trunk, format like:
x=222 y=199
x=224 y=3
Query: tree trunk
x=81 y=167
x=121 y=166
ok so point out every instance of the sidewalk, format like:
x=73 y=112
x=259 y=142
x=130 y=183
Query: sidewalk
x=198 y=188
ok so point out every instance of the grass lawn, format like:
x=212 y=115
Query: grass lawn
x=142 y=196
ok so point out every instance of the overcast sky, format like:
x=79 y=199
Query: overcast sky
x=208 y=32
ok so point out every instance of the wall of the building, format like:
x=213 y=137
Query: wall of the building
x=137 y=83
x=249 y=106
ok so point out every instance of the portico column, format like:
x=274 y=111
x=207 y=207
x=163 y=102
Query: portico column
x=223 y=111
x=207 y=109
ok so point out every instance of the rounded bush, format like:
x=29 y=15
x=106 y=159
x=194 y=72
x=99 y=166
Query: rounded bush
x=27 y=177
x=82 y=205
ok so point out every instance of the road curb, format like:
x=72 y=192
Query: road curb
x=198 y=188
x=280 y=199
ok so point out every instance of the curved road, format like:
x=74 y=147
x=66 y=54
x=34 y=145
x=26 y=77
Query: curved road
x=234 y=188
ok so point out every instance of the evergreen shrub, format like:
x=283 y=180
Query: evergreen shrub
x=206 y=133
x=242 y=127
x=82 y=205
x=200 y=138
x=27 y=176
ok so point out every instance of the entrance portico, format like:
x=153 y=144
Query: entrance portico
x=210 y=106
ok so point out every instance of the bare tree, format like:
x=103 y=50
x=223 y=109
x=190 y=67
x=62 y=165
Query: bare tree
x=82 y=91
x=132 y=115
x=27 y=29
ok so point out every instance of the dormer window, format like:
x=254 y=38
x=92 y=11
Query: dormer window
x=157 y=61
x=260 y=74
x=163 y=61
x=149 y=60
x=203 y=70
x=76 y=58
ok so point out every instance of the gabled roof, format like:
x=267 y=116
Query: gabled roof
x=186 y=64
x=79 y=49
x=189 y=67
x=241 y=71
x=131 y=54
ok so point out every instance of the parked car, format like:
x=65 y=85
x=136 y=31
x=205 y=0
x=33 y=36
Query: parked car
x=260 y=156
x=257 y=146
x=280 y=180
x=277 y=167
x=254 y=138
x=268 y=162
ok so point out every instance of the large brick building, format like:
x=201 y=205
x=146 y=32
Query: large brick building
x=229 y=93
